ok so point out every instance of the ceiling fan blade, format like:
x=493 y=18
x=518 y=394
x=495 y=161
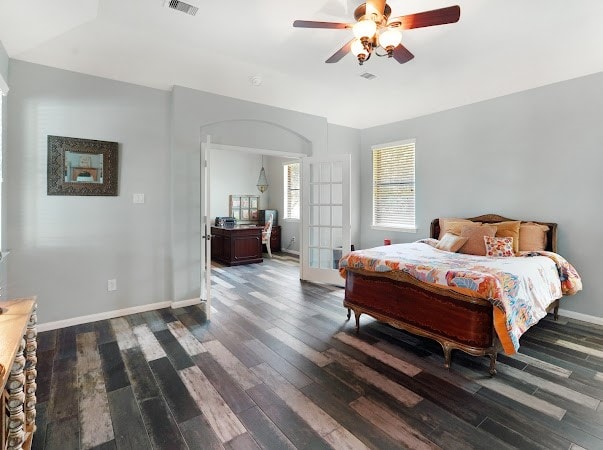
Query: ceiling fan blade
x=402 y=54
x=340 y=53
x=314 y=24
x=375 y=6
x=441 y=16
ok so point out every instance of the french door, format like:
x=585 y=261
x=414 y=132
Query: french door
x=326 y=220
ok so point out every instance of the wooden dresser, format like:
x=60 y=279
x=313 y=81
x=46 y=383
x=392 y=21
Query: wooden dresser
x=18 y=373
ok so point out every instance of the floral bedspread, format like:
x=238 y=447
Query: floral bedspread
x=521 y=288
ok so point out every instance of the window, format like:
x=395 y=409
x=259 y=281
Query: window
x=292 y=190
x=394 y=185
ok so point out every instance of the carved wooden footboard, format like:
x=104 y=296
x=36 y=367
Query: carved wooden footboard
x=454 y=320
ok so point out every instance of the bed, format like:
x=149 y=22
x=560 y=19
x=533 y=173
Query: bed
x=454 y=316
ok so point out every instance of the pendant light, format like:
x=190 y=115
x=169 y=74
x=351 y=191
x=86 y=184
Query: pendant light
x=262 y=183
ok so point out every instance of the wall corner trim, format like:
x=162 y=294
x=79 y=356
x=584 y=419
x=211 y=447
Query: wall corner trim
x=579 y=316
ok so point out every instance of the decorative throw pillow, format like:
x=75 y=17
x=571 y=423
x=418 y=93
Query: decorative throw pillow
x=475 y=239
x=532 y=237
x=499 y=246
x=509 y=229
x=453 y=225
x=429 y=241
x=451 y=243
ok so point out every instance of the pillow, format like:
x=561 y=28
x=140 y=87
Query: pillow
x=475 y=239
x=509 y=229
x=429 y=241
x=499 y=246
x=451 y=243
x=532 y=237
x=452 y=225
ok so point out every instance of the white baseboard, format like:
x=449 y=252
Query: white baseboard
x=183 y=303
x=101 y=316
x=293 y=252
x=579 y=316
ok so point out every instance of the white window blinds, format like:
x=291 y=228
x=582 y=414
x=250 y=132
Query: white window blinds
x=394 y=185
x=292 y=190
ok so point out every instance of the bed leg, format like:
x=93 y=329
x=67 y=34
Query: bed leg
x=349 y=313
x=492 y=364
x=447 y=356
x=556 y=311
x=357 y=317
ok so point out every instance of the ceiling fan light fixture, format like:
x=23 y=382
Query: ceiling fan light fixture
x=390 y=39
x=359 y=50
x=364 y=29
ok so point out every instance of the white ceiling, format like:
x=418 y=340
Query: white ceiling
x=498 y=47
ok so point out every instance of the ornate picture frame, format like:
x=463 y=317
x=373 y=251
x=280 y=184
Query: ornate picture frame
x=67 y=176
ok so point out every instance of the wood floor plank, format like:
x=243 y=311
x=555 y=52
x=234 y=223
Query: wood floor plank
x=39 y=438
x=160 y=425
x=123 y=333
x=198 y=434
x=128 y=426
x=314 y=416
x=221 y=418
x=62 y=434
x=369 y=434
x=242 y=442
x=64 y=391
x=263 y=430
x=47 y=340
x=293 y=427
x=390 y=424
x=378 y=380
x=232 y=394
x=174 y=391
x=44 y=368
x=316 y=357
x=154 y=321
x=148 y=343
x=114 y=370
x=139 y=372
x=95 y=423
x=188 y=341
x=174 y=351
x=379 y=354
x=286 y=369
x=235 y=368
x=104 y=332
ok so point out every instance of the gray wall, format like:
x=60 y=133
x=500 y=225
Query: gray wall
x=4 y=75
x=65 y=248
x=532 y=155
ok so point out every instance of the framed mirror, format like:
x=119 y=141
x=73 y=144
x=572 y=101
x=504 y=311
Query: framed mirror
x=81 y=166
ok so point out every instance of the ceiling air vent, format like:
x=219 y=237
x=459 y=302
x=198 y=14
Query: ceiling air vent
x=368 y=76
x=181 y=6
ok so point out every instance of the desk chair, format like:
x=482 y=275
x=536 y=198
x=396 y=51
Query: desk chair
x=266 y=232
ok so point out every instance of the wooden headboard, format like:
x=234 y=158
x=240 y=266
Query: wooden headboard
x=551 y=244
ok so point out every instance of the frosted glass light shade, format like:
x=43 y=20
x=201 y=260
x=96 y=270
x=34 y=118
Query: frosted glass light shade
x=364 y=29
x=358 y=48
x=390 y=38
x=262 y=183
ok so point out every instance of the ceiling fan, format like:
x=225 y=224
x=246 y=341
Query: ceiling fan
x=374 y=29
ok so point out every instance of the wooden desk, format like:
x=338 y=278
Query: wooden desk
x=237 y=245
x=18 y=373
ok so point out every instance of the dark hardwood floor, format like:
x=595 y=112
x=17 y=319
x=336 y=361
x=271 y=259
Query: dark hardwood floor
x=279 y=367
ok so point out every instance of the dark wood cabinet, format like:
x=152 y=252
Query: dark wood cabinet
x=236 y=246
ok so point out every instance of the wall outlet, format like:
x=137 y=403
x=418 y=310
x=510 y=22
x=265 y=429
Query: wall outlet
x=138 y=198
x=112 y=285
